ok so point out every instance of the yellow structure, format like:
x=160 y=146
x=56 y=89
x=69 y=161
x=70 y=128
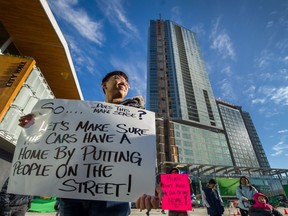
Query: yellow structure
x=35 y=63
x=14 y=71
x=34 y=31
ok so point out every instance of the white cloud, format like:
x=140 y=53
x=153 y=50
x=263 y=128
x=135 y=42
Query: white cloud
x=116 y=15
x=250 y=91
x=279 y=148
x=268 y=112
x=221 y=41
x=269 y=24
x=268 y=76
x=82 y=58
x=282 y=45
x=227 y=71
x=79 y=19
x=176 y=14
x=279 y=152
x=258 y=101
x=283 y=131
x=265 y=59
x=199 y=30
x=280 y=96
x=271 y=94
x=227 y=91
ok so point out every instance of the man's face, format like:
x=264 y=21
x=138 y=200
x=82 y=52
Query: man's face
x=116 y=86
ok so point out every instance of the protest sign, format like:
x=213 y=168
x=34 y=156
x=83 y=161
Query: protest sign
x=86 y=150
x=176 y=192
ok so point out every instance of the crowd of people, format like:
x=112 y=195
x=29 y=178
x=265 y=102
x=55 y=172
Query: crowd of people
x=115 y=86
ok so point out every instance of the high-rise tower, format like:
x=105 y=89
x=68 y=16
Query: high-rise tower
x=189 y=125
x=257 y=145
x=238 y=136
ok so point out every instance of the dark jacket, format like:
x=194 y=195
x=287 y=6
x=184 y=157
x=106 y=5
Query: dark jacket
x=263 y=212
x=261 y=208
x=136 y=101
x=8 y=200
x=123 y=207
x=214 y=200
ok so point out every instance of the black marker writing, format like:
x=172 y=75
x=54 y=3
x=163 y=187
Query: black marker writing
x=61 y=138
x=91 y=152
x=98 y=170
x=32 y=154
x=87 y=126
x=29 y=169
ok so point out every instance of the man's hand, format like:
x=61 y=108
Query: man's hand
x=149 y=202
x=27 y=120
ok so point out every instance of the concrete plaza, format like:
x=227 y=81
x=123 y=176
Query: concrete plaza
x=157 y=212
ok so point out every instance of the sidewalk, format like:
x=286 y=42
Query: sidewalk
x=135 y=212
x=157 y=212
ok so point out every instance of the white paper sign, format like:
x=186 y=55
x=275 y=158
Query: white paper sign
x=86 y=150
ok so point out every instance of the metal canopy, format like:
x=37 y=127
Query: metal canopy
x=219 y=170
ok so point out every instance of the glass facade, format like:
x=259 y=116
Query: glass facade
x=238 y=137
x=179 y=90
x=201 y=146
x=257 y=145
x=178 y=82
x=205 y=137
x=34 y=89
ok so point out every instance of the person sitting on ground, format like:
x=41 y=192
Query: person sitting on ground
x=261 y=207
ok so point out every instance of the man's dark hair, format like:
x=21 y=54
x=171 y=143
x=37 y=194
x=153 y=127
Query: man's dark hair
x=112 y=73
x=212 y=181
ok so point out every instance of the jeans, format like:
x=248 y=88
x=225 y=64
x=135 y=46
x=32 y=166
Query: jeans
x=73 y=207
x=177 y=213
x=18 y=210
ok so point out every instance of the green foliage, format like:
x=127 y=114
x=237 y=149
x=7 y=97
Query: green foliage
x=227 y=186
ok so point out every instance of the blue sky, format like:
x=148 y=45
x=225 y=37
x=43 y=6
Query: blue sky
x=244 y=44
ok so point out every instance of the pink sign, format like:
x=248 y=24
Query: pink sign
x=175 y=192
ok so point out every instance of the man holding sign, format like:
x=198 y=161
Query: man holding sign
x=115 y=85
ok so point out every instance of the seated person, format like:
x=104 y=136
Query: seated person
x=261 y=207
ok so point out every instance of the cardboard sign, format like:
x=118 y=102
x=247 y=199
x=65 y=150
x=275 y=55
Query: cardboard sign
x=86 y=150
x=175 y=192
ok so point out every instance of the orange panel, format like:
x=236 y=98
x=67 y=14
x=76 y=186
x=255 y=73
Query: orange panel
x=13 y=73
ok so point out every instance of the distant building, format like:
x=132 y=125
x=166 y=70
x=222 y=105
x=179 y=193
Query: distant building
x=200 y=135
x=256 y=143
x=35 y=64
x=179 y=91
x=240 y=144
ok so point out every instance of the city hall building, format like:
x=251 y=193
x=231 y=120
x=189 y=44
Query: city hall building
x=35 y=64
